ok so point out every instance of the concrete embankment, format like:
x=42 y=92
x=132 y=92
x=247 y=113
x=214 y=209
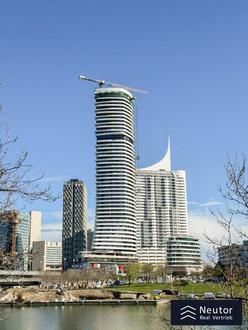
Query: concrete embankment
x=41 y=297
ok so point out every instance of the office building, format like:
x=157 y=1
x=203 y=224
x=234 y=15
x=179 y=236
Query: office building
x=74 y=231
x=47 y=256
x=28 y=229
x=115 y=225
x=90 y=235
x=35 y=227
x=233 y=255
x=161 y=203
x=183 y=255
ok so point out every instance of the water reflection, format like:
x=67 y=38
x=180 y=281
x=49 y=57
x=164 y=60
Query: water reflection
x=92 y=318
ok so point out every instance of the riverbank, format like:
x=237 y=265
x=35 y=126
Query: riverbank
x=134 y=292
x=43 y=297
x=87 y=302
x=195 y=288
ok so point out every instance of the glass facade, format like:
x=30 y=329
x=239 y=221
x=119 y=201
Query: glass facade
x=74 y=233
x=22 y=238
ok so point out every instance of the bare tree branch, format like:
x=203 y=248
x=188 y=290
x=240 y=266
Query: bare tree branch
x=16 y=178
x=231 y=265
x=236 y=187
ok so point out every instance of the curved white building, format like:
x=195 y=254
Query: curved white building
x=161 y=208
x=115 y=225
x=183 y=254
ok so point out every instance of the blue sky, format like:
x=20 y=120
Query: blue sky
x=190 y=55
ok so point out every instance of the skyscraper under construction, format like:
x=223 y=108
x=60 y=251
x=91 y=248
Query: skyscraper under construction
x=115 y=226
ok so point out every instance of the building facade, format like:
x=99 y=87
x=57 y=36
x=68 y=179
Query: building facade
x=27 y=230
x=47 y=256
x=74 y=231
x=161 y=209
x=115 y=225
x=35 y=227
x=90 y=235
x=183 y=255
x=233 y=255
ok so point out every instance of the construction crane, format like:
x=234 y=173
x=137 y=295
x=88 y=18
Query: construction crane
x=11 y=217
x=131 y=89
x=110 y=84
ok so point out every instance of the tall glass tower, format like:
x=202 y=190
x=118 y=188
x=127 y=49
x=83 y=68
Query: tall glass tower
x=28 y=230
x=74 y=232
x=115 y=225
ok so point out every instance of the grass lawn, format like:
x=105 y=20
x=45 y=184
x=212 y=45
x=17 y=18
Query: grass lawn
x=196 y=288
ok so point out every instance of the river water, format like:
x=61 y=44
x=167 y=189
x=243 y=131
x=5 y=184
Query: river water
x=88 y=318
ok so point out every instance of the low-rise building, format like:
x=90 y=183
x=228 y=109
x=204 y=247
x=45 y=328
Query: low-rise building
x=233 y=255
x=183 y=255
x=47 y=256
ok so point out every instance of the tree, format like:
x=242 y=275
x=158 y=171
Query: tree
x=160 y=271
x=147 y=271
x=16 y=177
x=235 y=192
x=17 y=183
x=233 y=269
x=132 y=272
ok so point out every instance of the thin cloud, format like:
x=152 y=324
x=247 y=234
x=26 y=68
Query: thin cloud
x=193 y=203
x=51 y=232
x=205 y=204
x=51 y=227
x=53 y=179
x=211 y=203
x=201 y=224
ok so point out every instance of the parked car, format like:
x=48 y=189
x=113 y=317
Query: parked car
x=191 y=296
x=209 y=295
x=182 y=296
x=140 y=280
x=116 y=283
x=156 y=292
x=222 y=295
x=170 y=292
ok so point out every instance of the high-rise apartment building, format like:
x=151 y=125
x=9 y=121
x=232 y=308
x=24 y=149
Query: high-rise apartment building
x=115 y=225
x=162 y=218
x=136 y=210
x=74 y=232
x=161 y=208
